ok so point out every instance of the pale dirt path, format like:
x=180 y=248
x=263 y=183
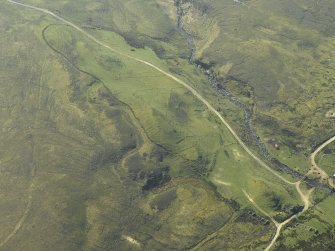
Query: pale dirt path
x=305 y=197
x=187 y=86
x=315 y=169
x=24 y=216
x=279 y=226
x=19 y=223
x=193 y=91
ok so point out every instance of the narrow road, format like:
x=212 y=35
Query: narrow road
x=279 y=226
x=187 y=86
x=315 y=169
x=304 y=197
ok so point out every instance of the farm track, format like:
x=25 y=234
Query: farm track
x=181 y=82
x=304 y=197
x=250 y=130
x=264 y=152
x=314 y=166
x=279 y=226
x=21 y=221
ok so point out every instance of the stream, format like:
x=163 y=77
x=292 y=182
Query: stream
x=250 y=130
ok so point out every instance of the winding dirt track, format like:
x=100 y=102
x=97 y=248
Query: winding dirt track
x=19 y=224
x=304 y=198
x=187 y=86
x=279 y=226
x=316 y=168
